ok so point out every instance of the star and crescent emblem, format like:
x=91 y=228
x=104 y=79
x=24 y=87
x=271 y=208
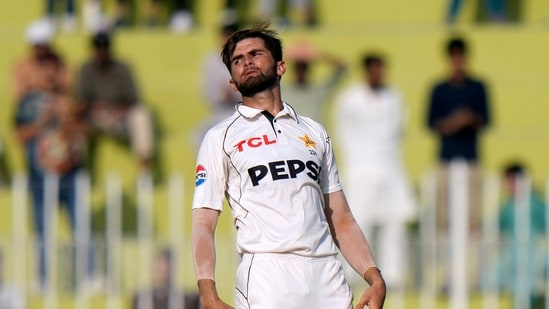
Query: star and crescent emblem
x=308 y=141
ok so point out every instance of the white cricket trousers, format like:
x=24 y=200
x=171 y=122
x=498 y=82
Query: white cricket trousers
x=289 y=281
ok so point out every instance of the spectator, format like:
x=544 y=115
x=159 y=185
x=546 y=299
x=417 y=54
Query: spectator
x=10 y=296
x=55 y=143
x=369 y=122
x=216 y=89
x=92 y=16
x=505 y=272
x=34 y=72
x=307 y=97
x=458 y=112
x=123 y=16
x=495 y=9
x=182 y=18
x=163 y=294
x=69 y=21
x=108 y=97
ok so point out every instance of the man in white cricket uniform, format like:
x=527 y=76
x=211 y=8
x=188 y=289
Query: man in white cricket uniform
x=278 y=173
x=368 y=125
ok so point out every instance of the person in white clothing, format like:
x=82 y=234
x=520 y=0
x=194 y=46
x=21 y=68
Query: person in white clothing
x=368 y=125
x=278 y=173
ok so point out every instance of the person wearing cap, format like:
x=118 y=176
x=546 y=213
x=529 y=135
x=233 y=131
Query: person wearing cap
x=108 y=96
x=33 y=73
x=53 y=138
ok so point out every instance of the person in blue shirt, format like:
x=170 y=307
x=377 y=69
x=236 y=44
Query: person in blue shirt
x=458 y=111
x=458 y=108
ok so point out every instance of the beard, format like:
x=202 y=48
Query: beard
x=256 y=84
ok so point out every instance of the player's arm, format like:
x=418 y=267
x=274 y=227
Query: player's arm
x=204 y=222
x=354 y=247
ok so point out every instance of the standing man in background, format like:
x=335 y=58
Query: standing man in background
x=369 y=122
x=279 y=175
x=458 y=112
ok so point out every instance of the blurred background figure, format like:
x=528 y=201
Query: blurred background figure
x=496 y=10
x=182 y=18
x=164 y=294
x=216 y=90
x=307 y=96
x=181 y=14
x=458 y=112
x=123 y=15
x=10 y=296
x=93 y=17
x=108 y=96
x=68 y=20
x=369 y=123
x=504 y=273
x=35 y=72
x=55 y=143
x=288 y=13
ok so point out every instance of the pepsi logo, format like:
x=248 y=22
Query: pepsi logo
x=201 y=175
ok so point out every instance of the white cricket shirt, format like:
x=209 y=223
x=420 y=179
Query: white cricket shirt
x=274 y=174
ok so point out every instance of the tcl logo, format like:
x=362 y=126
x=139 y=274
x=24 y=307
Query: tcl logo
x=254 y=142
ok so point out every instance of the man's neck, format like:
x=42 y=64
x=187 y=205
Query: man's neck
x=267 y=100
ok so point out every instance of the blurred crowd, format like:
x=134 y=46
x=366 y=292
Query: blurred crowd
x=62 y=114
x=177 y=15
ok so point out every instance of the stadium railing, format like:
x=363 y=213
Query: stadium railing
x=452 y=257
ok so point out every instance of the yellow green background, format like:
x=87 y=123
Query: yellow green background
x=511 y=58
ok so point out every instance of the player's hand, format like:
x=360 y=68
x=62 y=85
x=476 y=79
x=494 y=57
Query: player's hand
x=374 y=296
x=208 y=295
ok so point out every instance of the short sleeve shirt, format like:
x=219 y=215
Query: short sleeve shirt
x=273 y=172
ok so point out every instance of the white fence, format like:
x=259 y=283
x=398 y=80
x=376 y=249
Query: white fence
x=423 y=282
x=110 y=253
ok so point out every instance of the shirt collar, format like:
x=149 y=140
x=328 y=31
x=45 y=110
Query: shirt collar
x=250 y=112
